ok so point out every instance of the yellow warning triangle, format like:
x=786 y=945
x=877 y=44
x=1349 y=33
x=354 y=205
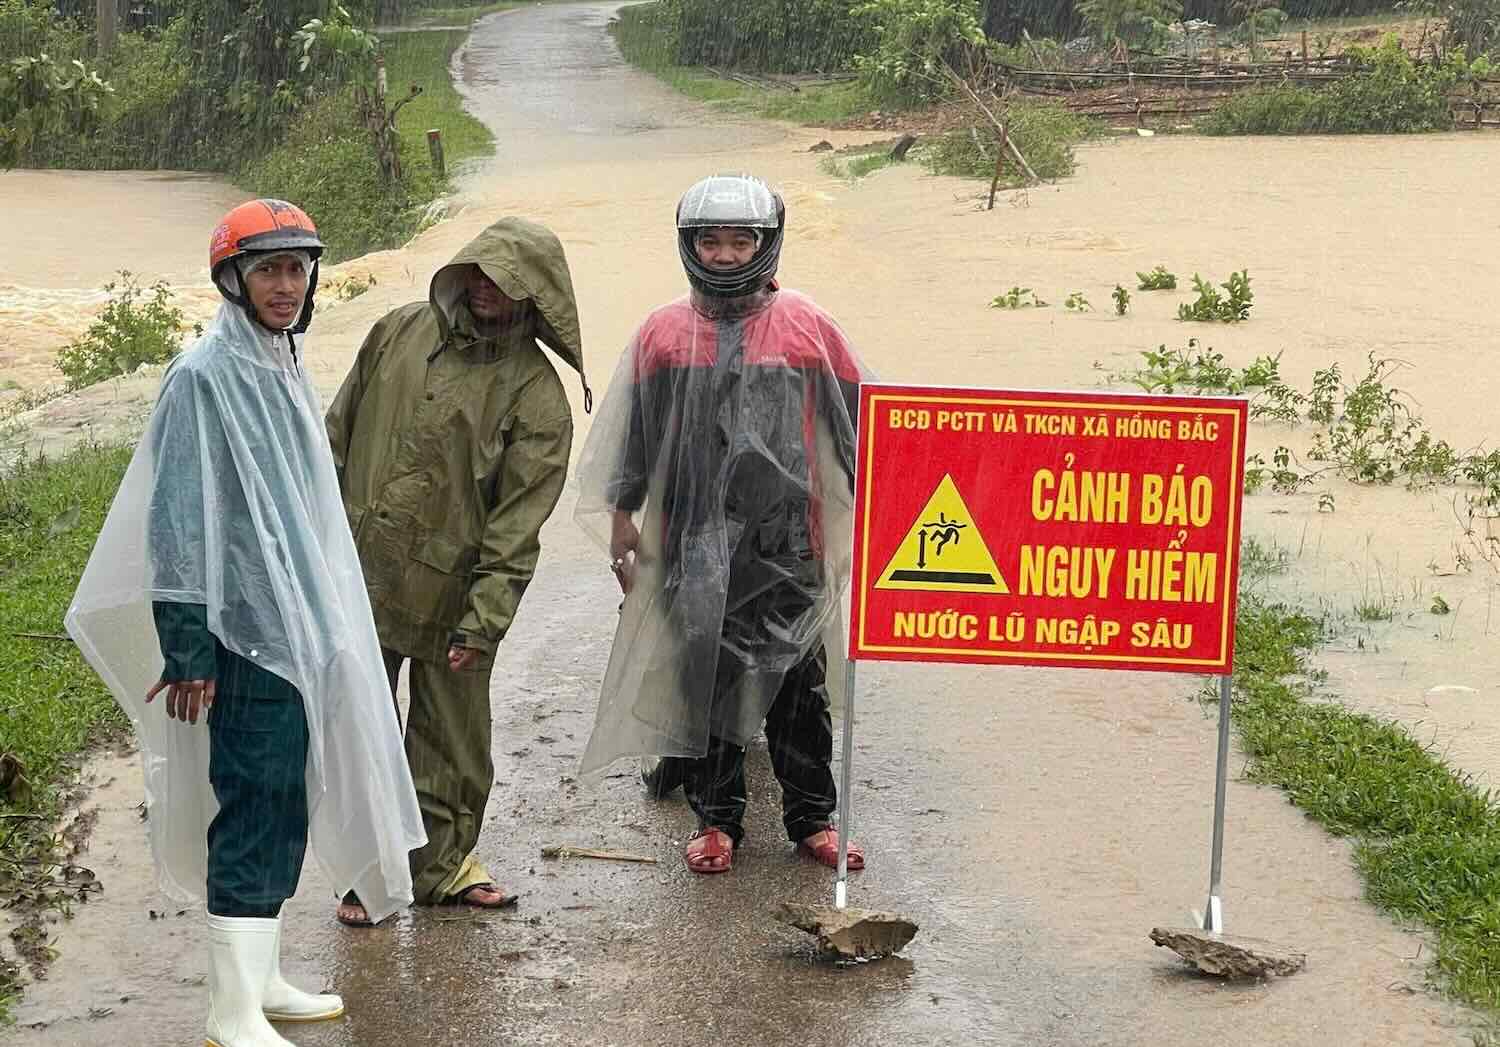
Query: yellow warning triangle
x=944 y=551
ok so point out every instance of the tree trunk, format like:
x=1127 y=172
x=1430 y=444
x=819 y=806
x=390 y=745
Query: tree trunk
x=992 y=18
x=108 y=12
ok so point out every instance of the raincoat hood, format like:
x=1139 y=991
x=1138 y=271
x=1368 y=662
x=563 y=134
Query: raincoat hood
x=526 y=261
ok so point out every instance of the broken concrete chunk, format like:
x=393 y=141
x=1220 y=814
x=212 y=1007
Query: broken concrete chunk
x=1227 y=955
x=851 y=934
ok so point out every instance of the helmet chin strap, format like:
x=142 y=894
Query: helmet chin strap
x=231 y=285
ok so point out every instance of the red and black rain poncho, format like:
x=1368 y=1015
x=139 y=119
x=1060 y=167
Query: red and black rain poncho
x=728 y=432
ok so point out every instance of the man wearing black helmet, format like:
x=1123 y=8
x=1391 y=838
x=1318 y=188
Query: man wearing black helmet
x=719 y=473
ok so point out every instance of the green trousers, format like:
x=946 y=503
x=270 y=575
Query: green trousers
x=448 y=750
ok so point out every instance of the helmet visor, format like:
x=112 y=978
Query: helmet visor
x=729 y=200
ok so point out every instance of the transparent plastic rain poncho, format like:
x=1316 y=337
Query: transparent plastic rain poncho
x=231 y=502
x=728 y=433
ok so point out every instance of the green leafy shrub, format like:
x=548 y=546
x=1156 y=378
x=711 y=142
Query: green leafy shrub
x=1373 y=436
x=138 y=326
x=1473 y=26
x=772 y=36
x=1133 y=22
x=1157 y=279
x=1016 y=298
x=1388 y=94
x=32 y=27
x=1280 y=110
x=913 y=38
x=327 y=167
x=1231 y=307
x=1203 y=372
x=1044 y=132
x=1122 y=300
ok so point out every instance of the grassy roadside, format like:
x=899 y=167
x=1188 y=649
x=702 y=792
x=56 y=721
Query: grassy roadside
x=454 y=16
x=52 y=703
x=326 y=163
x=1427 y=837
x=423 y=58
x=1044 y=133
x=816 y=104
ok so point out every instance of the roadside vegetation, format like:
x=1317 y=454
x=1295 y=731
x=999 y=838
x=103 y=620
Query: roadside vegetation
x=280 y=98
x=1427 y=838
x=972 y=72
x=52 y=705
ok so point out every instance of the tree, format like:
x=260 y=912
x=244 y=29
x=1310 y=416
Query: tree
x=336 y=50
x=1126 y=22
x=39 y=97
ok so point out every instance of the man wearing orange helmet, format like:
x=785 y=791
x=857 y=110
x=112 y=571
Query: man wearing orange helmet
x=226 y=574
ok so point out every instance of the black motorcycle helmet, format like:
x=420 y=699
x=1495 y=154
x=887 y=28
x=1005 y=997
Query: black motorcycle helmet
x=734 y=201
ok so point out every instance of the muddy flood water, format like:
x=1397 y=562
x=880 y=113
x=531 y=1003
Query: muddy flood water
x=1036 y=823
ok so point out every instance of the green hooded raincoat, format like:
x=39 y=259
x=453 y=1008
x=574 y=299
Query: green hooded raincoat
x=452 y=448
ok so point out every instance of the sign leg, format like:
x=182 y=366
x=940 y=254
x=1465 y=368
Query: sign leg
x=841 y=889
x=1213 y=914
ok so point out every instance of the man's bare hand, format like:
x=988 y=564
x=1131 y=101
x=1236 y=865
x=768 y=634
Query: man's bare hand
x=624 y=539
x=186 y=698
x=461 y=659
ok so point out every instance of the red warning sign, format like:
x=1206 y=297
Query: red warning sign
x=1041 y=528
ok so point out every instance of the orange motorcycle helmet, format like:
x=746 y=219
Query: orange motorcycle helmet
x=263 y=227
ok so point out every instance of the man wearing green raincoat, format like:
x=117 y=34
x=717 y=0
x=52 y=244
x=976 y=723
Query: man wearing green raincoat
x=451 y=437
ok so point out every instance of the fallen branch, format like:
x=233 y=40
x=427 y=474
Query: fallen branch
x=558 y=850
x=43 y=636
x=1005 y=139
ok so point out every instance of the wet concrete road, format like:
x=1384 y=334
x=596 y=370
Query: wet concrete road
x=1036 y=824
x=551 y=85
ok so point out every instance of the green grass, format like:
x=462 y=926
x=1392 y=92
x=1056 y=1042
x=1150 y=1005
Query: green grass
x=813 y=104
x=465 y=14
x=327 y=164
x=854 y=166
x=52 y=704
x=423 y=58
x=456 y=15
x=1374 y=609
x=1427 y=838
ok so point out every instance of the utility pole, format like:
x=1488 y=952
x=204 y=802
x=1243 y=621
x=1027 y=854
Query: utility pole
x=109 y=23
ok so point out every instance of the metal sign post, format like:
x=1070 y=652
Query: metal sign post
x=841 y=889
x=1213 y=914
x=1090 y=530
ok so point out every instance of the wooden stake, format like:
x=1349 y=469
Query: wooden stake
x=435 y=147
x=999 y=170
x=108 y=14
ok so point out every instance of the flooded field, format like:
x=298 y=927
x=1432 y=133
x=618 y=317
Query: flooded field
x=1037 y=824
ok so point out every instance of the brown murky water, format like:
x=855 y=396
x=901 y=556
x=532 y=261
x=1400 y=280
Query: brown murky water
x=1037 y=824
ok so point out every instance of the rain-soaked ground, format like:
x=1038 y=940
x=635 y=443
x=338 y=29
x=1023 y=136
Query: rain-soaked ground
x=1036 y=824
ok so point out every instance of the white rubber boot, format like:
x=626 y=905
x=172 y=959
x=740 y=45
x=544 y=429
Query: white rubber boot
x=284 y=1002
x=241 y=953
